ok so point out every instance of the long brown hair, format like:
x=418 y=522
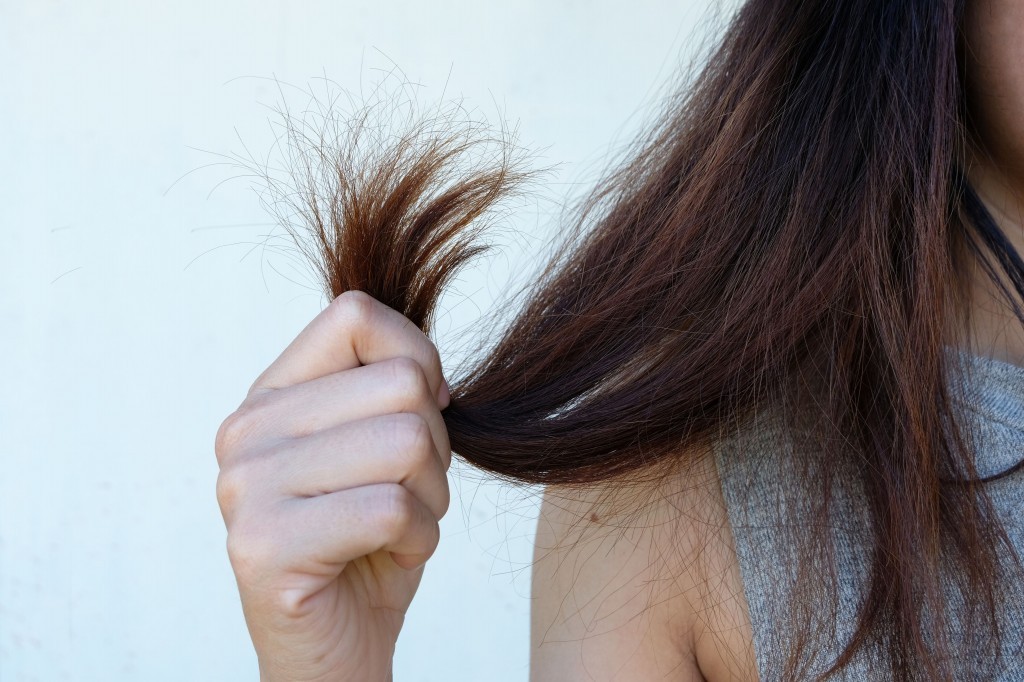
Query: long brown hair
x=792 y=231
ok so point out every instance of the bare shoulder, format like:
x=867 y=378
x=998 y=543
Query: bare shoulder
x=637 y=581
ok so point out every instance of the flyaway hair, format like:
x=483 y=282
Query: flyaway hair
x=790 y=232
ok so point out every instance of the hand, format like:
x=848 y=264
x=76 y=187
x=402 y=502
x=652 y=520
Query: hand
x=333 y=477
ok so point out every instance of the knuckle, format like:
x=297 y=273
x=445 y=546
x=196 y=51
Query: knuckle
x=233 y=431
x=249 y=551
x=354 y=306
x=408 y=380
x=397 y=510
x=237 y=552
x=239 y=479
x=412 y=440
x=229 y=489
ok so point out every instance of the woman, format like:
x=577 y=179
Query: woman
x=743 y=383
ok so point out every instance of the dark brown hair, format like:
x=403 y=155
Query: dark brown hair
x=792 y=231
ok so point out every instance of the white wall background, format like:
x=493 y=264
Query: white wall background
x=135 y=312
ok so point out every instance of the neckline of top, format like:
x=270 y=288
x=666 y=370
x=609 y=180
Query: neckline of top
x=996 y=388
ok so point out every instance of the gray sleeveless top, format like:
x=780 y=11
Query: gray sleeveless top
x=761 y=499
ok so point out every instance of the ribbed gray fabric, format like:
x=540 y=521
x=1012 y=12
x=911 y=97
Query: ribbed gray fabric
x=764 y=504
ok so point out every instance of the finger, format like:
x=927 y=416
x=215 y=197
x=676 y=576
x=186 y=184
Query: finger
x=355 y=329
x=327 y=530
x=396 y=385
x=394 y=448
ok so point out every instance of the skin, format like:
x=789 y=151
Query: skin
x=995 y=95
x=655 y=595
x=333 y=477
x=694 y=633
x=332 y=481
